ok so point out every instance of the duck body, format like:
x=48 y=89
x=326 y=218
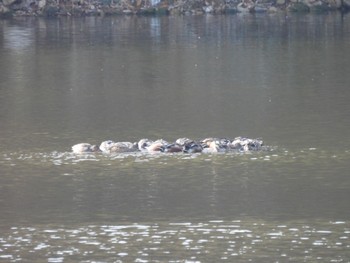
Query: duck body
x=245 y=144
x=143 y=144
x=85 y=148
x=192 y=147
x=155 y=147
x=147 y=145
x=183 y=141
x=117 y=147
x=214 y=145
x=172 y=148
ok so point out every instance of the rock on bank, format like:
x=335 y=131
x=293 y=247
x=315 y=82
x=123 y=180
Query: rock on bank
x=50 y=8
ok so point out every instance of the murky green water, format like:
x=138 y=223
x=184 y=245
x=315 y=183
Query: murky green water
x=282 y=78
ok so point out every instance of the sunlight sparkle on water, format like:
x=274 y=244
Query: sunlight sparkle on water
x=219 y=238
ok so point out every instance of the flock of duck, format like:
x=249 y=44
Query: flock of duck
x=184 y=145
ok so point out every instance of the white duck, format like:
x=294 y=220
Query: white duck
x=117 y=147
x=84 y=148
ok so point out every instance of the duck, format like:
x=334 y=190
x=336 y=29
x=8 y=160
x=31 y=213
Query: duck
x=205 y=142
x=155 y=147
x=110 y=146
x=222 y=144
x=172 y=148
x=183 y=141
x=147 y=145
x=212 y=145
x=189 y=145
x=254 y=144
x=236 y=143
x=192 y=147
x=143 y=144
x=85 y=148
x=245 y=144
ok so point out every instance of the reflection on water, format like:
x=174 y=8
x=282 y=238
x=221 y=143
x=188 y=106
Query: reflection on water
x=276 y=77
x=18 y=38
x=212 y=241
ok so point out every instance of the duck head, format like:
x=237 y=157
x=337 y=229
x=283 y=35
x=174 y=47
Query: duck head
x=143 y=144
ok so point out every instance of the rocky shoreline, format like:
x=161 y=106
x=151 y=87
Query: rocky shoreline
x=78 y=8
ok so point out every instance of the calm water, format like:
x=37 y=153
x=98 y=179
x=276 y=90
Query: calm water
x=282 y=78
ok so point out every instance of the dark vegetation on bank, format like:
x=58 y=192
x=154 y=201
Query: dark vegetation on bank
x=53 y=8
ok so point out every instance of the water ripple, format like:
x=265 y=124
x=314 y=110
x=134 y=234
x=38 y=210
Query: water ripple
x=179 y=242
x=273 y=155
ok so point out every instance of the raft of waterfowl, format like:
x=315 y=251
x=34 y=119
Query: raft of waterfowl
x=184 y=145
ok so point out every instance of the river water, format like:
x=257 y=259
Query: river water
x=281 y=78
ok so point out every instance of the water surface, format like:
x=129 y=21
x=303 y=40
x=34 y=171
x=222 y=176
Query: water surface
x=281 y=78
